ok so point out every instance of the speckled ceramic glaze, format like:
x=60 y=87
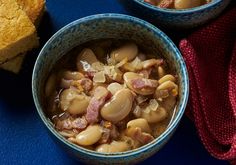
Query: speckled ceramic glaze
x=170 y=18
x=108 y=26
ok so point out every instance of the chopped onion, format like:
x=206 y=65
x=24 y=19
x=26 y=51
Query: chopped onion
x=141 y=99
x=99 y=77
x=147 y=110
x=153 y=104
x=136 y=64
x=137 y=111
x=98 y=66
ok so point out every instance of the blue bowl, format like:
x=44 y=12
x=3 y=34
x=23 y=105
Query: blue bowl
x=180 y=19
x=99 y=27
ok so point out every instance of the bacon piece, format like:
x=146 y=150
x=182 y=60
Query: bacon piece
x=93 y=109
x=139 y=83
x=63 y=124
x=145 y=72
x=101 y=94
x=90 y=74
x=166 y=4
x=83 y=85
x=86 y=83
x=79 y=123
x=70 y=123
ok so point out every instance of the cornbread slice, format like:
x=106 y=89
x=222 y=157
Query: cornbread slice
x=17 y=32
x=14 y=65
x=34 y=9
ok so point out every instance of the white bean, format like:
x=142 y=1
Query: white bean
x=134 y=65
x=67 y=133
x=113 y=147
x=73 y=102
x=169 y=103
x=89 y=136
x=66 y=97
x=128 y=51
x=114 y=87
x=160 y=71
x=78 y=106
x=72 y=75
x=185 y=4
x=154 y=116
x=167 y=77
x=141 y=123
x=167 y=85
x=85 y=59
x=119 y=106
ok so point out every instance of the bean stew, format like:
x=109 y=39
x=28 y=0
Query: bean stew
x=177 y=4
x=111 y=95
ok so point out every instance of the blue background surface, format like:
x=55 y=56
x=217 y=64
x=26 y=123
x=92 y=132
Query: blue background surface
x=23 y=137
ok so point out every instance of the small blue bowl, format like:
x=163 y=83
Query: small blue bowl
x=176 y=19
x=99 y=27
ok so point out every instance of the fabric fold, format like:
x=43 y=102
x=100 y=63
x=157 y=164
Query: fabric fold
x=210 y=55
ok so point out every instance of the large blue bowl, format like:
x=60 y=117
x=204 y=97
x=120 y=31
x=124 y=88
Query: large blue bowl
x=180 y=19
x=99 y=27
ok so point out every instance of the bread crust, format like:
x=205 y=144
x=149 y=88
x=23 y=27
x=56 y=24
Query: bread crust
x=14 y=65
x=34 y=9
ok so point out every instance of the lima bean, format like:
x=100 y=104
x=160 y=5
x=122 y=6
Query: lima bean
x=185 y=4
x=119 y=106
x=141 y=123
x=154 y=116
x=89 y=136
x=114 y=146
x=85 y=59
x=128 y=51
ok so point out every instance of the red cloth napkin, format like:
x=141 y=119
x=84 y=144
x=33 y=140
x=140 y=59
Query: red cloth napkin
x=210 y=55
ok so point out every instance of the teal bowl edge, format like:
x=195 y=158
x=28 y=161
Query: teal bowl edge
x=157 y=141
x=181 y=11
x=177 y=20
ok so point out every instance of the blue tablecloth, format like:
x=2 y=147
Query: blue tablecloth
x=23 y=137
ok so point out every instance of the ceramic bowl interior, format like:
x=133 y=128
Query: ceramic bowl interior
x=171 y=18
x=99 y=27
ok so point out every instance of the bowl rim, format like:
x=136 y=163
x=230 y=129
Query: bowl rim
x=180 y=11
x=139 y=150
